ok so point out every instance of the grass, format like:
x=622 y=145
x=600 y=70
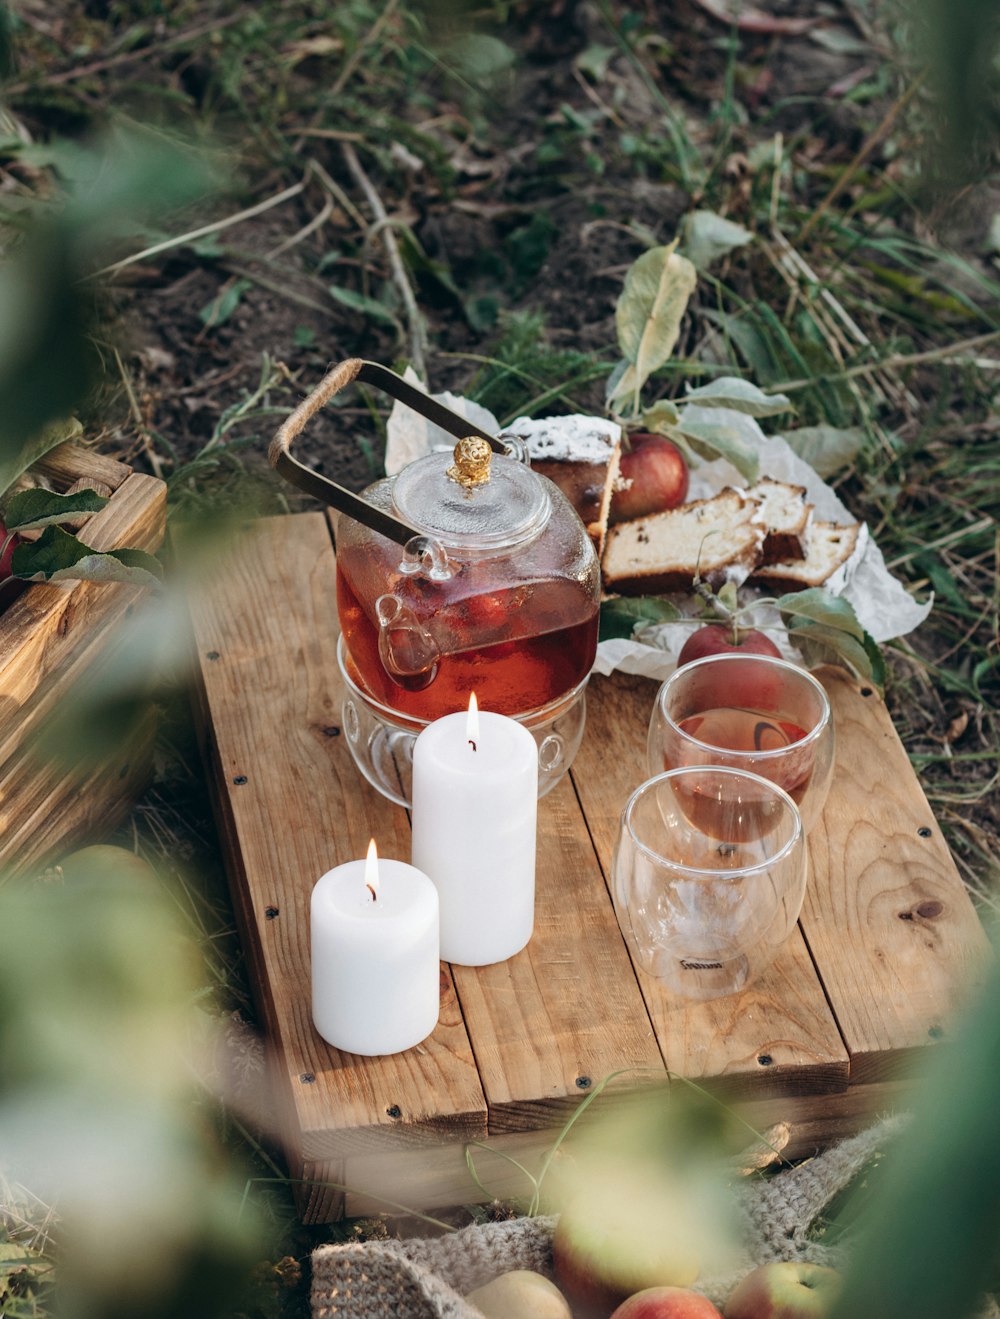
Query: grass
x=846 y=299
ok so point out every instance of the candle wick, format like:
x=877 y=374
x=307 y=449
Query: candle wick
x=472 y=744
x=372 y=892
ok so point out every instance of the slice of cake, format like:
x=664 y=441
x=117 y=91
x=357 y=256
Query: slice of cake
x=833 y=549
x=785 y=517
x=708 y=538
x=581 y=456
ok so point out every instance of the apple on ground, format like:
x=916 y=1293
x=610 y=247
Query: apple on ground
x=789 y=1289
x=520 y=1294
x=725 y=639
x=653 y=477
x=666 y=1303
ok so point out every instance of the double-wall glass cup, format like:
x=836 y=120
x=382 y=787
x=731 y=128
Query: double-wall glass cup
x=749 y=712
x=708 y=877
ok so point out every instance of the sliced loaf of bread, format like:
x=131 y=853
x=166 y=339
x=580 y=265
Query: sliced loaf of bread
x=831 y=546
x=785 y=517
x=581 y=456
x=666 y=551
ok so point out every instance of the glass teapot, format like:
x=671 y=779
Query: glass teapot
x=465 y=572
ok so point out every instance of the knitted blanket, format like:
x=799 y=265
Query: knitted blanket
x=427 y=1278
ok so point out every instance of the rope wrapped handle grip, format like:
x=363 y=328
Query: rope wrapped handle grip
x=329 y=492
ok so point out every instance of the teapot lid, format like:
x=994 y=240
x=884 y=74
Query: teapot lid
x=472 y=498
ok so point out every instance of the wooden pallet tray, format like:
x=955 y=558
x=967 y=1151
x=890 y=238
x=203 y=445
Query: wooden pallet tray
x=52 y=637
x=887 y=945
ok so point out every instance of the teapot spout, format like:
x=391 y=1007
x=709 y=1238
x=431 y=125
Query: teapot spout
x=407 y=650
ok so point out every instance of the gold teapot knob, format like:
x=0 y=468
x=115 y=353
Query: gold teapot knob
x=472 y=462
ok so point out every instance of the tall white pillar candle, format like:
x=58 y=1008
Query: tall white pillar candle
x=475 y=805
x=376 y=982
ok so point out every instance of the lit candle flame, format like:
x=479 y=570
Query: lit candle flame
x=371 y=870
x=472 y=723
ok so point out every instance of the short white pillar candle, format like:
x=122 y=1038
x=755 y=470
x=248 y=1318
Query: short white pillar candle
x=376 y=975
x=475 y=807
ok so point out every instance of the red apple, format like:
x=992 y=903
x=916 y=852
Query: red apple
x=653 y=477
x=723 y=639
x=608 y=1247
x=8 y=547
x=785 y=1290
x=666 y=1303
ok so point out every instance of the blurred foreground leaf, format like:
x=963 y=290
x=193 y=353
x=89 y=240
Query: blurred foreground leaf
x=97 y=1100
x=932 y=1237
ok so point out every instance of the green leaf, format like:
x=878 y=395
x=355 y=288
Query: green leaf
x=740 y=395
x=721 y=442
x=661 y=418
x=620 y=618
x=709 y=237
x=57 y=556
x=826 y=627
x=820 y=606
x=30 y=510
x=826 y=449
x=222 y=306
x=359 y=302
x=18 y=458
x=648 y=315
x=481 y=57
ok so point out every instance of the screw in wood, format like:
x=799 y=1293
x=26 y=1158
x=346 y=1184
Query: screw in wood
x=924 y=832
x=866 y=691
x=331 y=730
x=394 y=1110
x=239 y=780
x=765 y=1059
x=270 y=912
x=583 y=1082
x=307 y=1078
x=212 y=655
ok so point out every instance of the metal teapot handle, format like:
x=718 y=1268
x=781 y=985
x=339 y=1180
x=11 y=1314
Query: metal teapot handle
x=329 y=492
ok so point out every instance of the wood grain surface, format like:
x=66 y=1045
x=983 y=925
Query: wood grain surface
x=889 y=923
x=888 y=942
x=779 y=1036
x=52 y=639
x=292 y=807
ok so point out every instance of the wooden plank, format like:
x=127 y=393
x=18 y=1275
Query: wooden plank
x=47 y=806
x=43 y=629
x=777 y=1037
x=887 y=918
x=292 y=805
x=422 y=1180
x=565 y=1013
x=73 y=461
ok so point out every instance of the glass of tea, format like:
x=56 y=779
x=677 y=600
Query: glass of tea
x=752 y=713
x=708 y=877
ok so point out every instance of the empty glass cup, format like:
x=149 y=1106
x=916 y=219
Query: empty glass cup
x=708 y=877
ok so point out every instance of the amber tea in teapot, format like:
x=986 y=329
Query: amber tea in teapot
x=501 y=598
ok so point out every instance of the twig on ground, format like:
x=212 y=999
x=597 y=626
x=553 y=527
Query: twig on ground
x=132 y=56
x=169 y=243
x=894 y=361
x=417 y=324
